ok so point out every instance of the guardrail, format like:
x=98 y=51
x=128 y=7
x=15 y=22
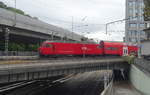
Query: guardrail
x=143 y=64
x=108 y=90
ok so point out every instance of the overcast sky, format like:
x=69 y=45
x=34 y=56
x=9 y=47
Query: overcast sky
x=88 y=15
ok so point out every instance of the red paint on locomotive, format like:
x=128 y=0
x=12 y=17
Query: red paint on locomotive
x=68 y=48
x=65 y=48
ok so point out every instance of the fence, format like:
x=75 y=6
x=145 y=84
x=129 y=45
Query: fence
x=143 y=64
x=18 y=53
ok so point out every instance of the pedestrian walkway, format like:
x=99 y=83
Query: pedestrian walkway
x=124 y=88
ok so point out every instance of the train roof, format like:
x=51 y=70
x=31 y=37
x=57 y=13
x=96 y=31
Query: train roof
x=56 y=41
x=113 y=41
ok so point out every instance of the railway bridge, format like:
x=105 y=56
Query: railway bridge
x=38 y=69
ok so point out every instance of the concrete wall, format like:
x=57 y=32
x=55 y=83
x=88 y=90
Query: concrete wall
x=145 y=47
x=140 y=80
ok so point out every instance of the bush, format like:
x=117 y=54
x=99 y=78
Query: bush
x=129 y=58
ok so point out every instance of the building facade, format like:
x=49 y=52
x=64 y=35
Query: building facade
x=134 y=21
x=146 y=45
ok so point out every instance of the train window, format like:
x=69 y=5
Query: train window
x=100 y=46
x=112 y=48
x=133 y=52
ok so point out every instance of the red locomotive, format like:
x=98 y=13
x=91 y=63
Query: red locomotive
x=75 y=48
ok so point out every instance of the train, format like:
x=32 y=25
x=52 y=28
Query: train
x=54 y=48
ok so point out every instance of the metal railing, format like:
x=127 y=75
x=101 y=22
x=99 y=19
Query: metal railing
x=18 y=53
x=143 y=64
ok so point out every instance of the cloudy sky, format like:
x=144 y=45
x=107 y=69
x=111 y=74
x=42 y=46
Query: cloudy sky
x=89 y=16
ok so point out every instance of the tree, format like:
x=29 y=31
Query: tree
x=2 y=5
x=33 y=47
x=147 y=10
x=16 y=10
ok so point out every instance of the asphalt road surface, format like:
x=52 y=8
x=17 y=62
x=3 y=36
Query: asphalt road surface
x=90 y=83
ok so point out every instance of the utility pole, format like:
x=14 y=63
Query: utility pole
x=6 y=40
x=138 y=30
x=72 y=27
x=52 y=36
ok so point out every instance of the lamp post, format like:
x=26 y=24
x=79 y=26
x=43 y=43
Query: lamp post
x=138 y=32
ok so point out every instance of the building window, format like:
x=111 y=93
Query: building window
x=142 y=33
x=130 y=11
x=112 y=48
x=132 y=33
x=133 y=40
x=132 y=25
x=132 y=3
x=142 y=25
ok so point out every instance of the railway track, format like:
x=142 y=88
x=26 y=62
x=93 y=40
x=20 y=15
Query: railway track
x=31 y=87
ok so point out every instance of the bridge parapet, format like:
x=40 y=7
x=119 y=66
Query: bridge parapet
x=30 y=71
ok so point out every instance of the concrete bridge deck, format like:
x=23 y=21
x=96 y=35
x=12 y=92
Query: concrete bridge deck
x=26 y=26
x=46 y=68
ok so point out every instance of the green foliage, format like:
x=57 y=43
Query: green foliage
x=147 y=10
x=32 y=47
x=16 y=47
x=129 y=59
x=2 y=45
x=15 y=10
x=2 y=5
x=19 y=47
x=27 y=15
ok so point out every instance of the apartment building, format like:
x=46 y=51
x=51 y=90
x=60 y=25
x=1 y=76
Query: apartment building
x=135 y=21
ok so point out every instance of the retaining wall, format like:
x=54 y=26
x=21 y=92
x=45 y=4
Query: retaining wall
x=140 y=79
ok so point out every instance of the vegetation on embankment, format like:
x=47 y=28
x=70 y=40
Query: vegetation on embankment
x=19 y=47
x=4 y=6
x=129 y=58
x=147 y=10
